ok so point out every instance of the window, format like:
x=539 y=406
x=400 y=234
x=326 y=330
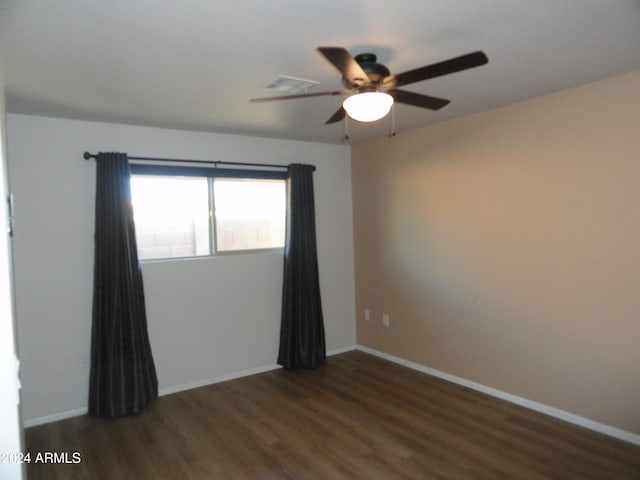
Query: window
x=171 y=216
x=250 y=214
x=179 y=216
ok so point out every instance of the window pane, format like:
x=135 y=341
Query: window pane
x=171 y=216
x=250 y=214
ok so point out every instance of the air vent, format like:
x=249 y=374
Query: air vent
x=292 y=85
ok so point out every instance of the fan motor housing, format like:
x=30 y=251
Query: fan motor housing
x=375 y=71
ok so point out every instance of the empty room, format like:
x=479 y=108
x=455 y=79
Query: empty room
x=320 y=240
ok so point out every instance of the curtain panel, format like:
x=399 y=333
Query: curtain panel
x=123 y=376
x=302 y=340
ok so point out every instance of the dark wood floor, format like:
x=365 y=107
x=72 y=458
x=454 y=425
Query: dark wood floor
x=356 y=417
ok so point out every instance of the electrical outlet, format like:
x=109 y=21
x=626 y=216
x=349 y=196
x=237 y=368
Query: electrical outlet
x=385 y=319
x=367 y=314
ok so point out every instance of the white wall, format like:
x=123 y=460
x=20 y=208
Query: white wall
x=207 y=317
x=10 y=425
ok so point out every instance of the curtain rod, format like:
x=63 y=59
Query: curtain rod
x=88 y=156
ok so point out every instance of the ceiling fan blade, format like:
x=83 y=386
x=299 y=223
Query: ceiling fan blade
x=453 y=65
x=346 y=64
x=336 y=117
x=300 y=95
x=418 y=100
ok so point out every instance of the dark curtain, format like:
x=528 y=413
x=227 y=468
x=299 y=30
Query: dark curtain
x=123 y=376
x=302 y=342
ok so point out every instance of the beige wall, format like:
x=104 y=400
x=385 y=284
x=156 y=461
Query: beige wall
x=505 y=246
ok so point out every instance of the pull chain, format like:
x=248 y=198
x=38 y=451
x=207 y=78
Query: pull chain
x=392 y=132
x=346 y=128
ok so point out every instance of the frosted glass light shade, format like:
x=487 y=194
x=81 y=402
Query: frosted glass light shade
x=368 y=106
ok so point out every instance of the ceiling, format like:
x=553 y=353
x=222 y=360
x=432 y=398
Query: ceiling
x=194 y=64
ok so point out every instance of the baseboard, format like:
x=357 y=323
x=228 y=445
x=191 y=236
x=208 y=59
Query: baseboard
x=222 y=378
x=33 y=422
x=234 y=375
x=539 y=407
x=331 y=353
x=523 y=402
x=162 y=392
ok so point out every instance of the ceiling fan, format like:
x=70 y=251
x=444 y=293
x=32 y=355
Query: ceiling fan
x=374 y=89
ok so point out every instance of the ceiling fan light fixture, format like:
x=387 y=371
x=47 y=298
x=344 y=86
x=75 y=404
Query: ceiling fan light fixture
x=368 y=106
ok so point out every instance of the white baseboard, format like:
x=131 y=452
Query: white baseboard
x=341 y=350
x=162 y=392
x=539 y=407
x=523 y=402
x=33 y=422
x=211 y=381
x=234 y=375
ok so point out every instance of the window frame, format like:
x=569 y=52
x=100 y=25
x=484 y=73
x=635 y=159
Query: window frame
x=211 y=173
